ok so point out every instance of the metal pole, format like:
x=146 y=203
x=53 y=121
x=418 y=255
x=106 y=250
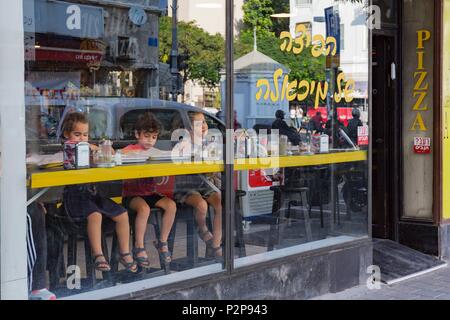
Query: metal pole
x=174 y=53
x=228 y=213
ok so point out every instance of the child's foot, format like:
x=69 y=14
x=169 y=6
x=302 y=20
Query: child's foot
x=42 y=294
x=141 y=257
x=214 y=252
x=127 y=261
x=206 y=236
x=101 y=264
x=165 y=256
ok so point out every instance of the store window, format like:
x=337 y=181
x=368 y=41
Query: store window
x=105 y=113
x=304 y=100
x=125 y=147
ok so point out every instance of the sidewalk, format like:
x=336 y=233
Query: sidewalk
x=432 y=286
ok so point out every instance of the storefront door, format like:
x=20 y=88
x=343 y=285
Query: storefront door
x=384 y=115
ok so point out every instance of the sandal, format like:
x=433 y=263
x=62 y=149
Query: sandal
x=129 y=266
x=142 y=262
x=214 y=252
x=164 y=256
x=101 y=265
x=203 y=234
x=210 y=251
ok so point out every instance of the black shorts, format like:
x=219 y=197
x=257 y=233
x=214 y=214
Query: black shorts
x=80 y=203
x=151 y=200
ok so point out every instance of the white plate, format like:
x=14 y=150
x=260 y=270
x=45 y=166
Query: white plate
x=170 y=158
x=133 y=160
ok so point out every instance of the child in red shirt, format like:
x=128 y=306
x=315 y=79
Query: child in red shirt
x=140 y=195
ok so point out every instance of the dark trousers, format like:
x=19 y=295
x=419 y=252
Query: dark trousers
x=37 y=215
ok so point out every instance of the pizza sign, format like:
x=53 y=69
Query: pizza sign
x=422 y=145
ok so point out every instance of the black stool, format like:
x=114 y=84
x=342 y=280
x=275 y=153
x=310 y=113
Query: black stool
x=192 y=259
x=355 y=190
x=320 y=186
x=277 y=224
x=75 y=229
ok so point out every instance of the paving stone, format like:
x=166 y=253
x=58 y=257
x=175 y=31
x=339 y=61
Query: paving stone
x=431 y=286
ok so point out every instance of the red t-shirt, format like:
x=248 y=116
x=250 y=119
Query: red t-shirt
x=137 y=187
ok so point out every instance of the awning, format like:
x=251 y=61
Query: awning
x=68 y=55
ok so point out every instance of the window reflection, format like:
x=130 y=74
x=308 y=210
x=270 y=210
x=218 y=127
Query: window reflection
x=309 y=84
x=99 y=73
x=300 y=121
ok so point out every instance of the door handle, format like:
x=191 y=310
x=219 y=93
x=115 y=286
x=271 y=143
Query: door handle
x=379 y=141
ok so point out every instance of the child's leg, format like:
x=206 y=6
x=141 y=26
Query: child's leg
x=170 y=209
x=216 y=201
x=140 y=225
x=123 y=235
x=94 y=229
x=200 y=210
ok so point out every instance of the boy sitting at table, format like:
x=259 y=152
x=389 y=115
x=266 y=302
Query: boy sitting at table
x=140 y=194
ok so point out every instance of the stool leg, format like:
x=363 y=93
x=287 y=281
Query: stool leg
x=309 y=199
x=239 y=229
x=72 y=250
x=192 y=241
x=56 y=261
x=282 y=220
x=171 y=239
x=321 y=209
x=338 y=206
x=105 y=275
x=306 y=217
x=336 y=202
x=90 y=271
x=321 y=216
x=275 y=221
x=114 y=261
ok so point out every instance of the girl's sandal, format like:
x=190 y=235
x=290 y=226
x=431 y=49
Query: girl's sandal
x=203 y=234
x=164 y=256
x=214 y=252
x=142 y=262
x=101 y=265
x=129 y=266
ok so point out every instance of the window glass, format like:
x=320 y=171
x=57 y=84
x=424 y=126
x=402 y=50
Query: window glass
x=301 y=102
x=109 y=130
x=170 y=121
x=387 y=10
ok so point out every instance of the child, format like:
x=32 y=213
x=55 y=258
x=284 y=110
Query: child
x=197 y=191
x=140 y=195
x=83 y=201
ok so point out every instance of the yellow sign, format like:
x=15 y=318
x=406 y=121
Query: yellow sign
x=421 y=85
x=300 y=89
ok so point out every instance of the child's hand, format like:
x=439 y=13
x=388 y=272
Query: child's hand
x=93 y=147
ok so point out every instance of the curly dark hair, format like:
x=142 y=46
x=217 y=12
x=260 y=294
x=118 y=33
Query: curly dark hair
x=72 y=119
x=147 y=122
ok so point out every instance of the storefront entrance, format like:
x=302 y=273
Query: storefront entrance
x=397 y=258
x=384 y=117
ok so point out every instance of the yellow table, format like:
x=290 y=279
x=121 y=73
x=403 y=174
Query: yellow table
x=59 y=177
